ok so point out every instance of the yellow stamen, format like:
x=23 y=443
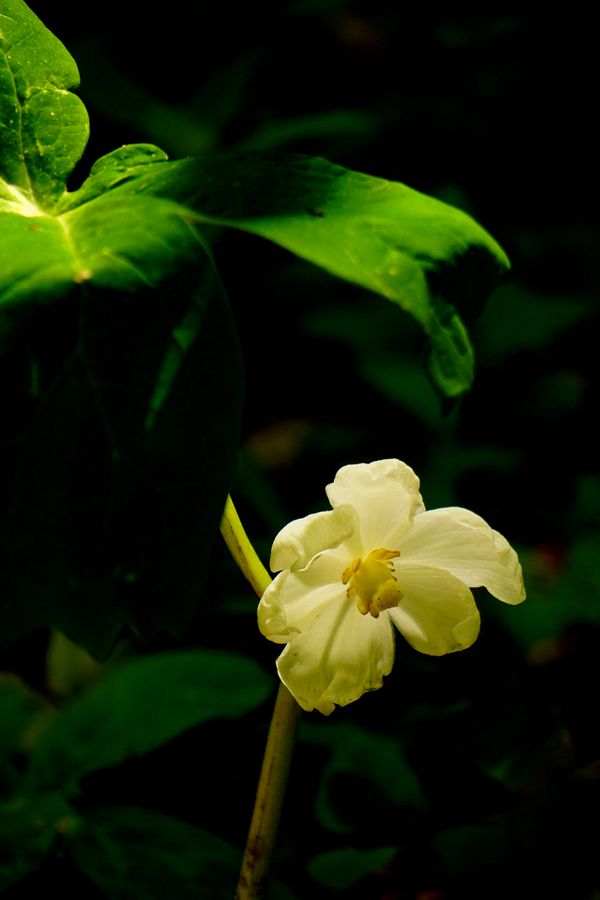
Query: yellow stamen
x=373 y=580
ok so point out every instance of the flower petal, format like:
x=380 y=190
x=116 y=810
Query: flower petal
x=437 y=614
x=302 y=539
x=343 y=655
x=385 y=495
x=463 y=543
x=294 y=601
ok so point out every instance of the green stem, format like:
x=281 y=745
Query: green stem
x=280 y=742
x=242 y=550
x=269 y=797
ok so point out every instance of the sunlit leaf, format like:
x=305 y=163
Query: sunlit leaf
x=48 y=243
x=428 y=258
x=43 y=127
x=425 y=256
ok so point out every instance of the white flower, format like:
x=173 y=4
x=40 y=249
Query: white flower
x=375 y=560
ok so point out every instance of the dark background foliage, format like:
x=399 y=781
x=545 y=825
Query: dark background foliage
x=479 y=771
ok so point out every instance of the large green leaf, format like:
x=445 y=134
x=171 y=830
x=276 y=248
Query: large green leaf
x=430 y=259
x=141 y=705
x=119 y=430
x=121 y=402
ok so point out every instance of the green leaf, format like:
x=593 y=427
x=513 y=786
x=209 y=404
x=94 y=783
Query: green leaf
x=131 y=853
x=103 y=239
x=117 y=468
x=49 y=240
x=125 y=402
x=142 y=705
x=350 y=746
x=428 y=258
x=43 y=127
x=342 y=869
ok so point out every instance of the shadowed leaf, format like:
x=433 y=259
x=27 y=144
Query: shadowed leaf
x=142 y=705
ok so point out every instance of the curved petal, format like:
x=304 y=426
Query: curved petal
x=294 y=601
x=302 y=539
x=385 y=495
x=437 y=614
x=463 y=543
x=343 y=655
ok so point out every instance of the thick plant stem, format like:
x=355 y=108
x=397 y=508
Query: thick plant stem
x=269 y=797
x=280 y=742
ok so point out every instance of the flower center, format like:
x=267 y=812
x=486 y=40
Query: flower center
x=371 y=579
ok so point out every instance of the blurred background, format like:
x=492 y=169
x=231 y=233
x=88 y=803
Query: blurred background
x=473 y=775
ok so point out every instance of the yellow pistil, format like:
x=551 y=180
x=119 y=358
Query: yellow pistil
x=372 y=579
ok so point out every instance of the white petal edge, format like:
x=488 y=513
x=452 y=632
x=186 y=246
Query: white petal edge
x=337 y=660
x=463 y=543
x=438 y=614
x=302 y=539
x=294 y=601
x=385 y=494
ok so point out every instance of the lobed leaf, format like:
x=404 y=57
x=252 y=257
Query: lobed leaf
x=109 y=239
x=43 y=127
x=422 y=254
x=428 y=258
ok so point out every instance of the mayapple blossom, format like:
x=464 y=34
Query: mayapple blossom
x=375 y=560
